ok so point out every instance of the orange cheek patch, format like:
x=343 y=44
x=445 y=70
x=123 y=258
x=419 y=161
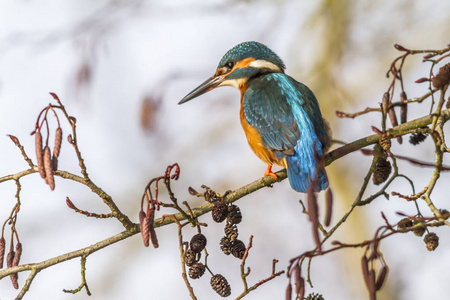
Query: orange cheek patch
x=243 y=63
x=220 y=71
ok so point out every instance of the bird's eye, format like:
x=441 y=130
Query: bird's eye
x=230 y=65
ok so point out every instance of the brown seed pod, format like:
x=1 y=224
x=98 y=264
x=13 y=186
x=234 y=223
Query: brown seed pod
x=369 y=276
x=225 y=245
x=403 y=108
x=313 y=213
x=394 y=122
x=58 y=141
x=48 y=168
x=419 y=231
x=2 y=251
x=385 y=102
x=382 y=171
x=17 y=255
x=314 y=296
x=231 y=231
x=432 y=241
x=10 y=258
x=299 y=282
x=385 y=142
x=54 y=163
x=417 y=138
x=237 y=248
x=442 y=78
x=197 y=270
x=381 y=278
x=403 y=113
x=300 y=289
x=14 y=277
x=198 y=242
x=151 y=220
x=328 y=206
x=234 y=214
x=145 y=229
x=220 y=285
x=39 y=153
x=289 y=291
x=404 y=223
x=190 y=257
x=393 y=117
x=219 y=211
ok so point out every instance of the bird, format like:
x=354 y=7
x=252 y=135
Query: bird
x=280 y=116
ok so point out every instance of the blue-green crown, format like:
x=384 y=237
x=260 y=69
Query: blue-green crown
x=251 y=49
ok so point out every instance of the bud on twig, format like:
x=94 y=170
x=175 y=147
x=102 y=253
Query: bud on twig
x=428 y=56
x=192 y=191
x=39 y=153
x=70 y=203
x=70 y=139
x=14 y=139
x=400 y=48
x=376 y=130
x=423 y=79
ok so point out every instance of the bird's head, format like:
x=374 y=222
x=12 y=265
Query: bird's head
x=238 y=65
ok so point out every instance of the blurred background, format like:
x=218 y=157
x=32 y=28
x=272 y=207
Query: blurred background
x=120 y=67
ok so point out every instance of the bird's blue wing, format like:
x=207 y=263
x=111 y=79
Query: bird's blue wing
x=287 y=115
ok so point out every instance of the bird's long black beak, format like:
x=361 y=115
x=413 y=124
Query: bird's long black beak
x=206 y=86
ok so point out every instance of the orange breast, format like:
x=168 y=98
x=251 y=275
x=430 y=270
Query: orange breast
x=255 y=141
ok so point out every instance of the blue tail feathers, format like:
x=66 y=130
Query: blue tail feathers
x=302 y=168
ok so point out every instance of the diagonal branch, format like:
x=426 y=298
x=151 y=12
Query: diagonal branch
x=83 y=252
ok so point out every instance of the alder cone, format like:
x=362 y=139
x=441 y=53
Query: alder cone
x=220 y=285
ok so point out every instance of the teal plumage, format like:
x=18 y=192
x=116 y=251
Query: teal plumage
x=287 y=115
x=280 y=116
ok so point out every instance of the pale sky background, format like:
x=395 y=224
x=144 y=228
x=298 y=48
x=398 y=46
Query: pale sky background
x=146 y=49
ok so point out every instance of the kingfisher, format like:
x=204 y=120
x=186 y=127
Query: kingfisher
x=280 y=116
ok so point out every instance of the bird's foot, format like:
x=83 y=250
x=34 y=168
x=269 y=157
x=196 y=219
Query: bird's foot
x=270 y=173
